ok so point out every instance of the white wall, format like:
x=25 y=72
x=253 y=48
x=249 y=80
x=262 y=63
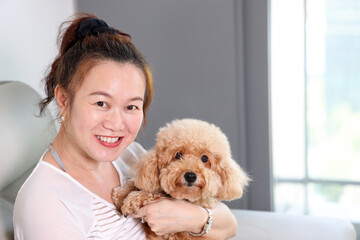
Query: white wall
x=210 y=61
x=28 y=33
x=192 y=49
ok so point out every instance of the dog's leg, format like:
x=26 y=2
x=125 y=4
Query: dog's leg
x=120 y=193
x=136 y=199
x=150 y=235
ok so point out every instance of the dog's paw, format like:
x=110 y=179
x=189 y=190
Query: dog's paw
x=136 y=199
x=133 y=202
x=120 y=193
x=118 y=197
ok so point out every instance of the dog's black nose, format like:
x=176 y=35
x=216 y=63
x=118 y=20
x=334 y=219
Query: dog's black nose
x=190 y=177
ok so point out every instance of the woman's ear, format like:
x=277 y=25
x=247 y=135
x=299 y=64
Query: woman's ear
x=61 y=99
x=233 y=178
x=147 y=173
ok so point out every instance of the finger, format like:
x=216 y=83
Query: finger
x=156 y=201
x=159 y=233
x=143 y=210
x=140 y=213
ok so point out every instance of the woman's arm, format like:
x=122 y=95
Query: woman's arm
x=171 y=215
x=225 y=225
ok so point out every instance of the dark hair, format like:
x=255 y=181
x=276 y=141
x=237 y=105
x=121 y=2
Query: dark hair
x=78 y=54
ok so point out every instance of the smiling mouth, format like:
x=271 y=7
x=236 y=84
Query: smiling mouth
x=108 y=139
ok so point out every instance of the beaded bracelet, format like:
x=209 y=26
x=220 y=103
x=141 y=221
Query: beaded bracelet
x=207 y=227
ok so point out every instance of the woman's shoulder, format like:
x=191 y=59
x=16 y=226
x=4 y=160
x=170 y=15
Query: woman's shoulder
x=47 y=184
x=128 y=158
x=49 y=203
x=47 y=193
x=39 y=180
x=131 y=154
x=135 y=149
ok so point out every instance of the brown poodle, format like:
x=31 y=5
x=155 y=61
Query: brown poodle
x=191 y=160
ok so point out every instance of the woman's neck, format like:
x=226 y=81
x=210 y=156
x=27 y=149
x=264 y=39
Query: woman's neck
x=74 y=158
x=98 y=177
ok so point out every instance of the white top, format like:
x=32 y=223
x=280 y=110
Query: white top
x=53 y=205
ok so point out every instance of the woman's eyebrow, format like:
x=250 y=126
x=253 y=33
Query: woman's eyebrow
x=137 y=99
x=109 y=96
x=101 y=93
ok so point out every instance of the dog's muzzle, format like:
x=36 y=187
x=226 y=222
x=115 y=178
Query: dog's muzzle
x=190 y=178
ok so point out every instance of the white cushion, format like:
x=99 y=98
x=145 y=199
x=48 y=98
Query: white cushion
x=24 y=138
x=258 y=225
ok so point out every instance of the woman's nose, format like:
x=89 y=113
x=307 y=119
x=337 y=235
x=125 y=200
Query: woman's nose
x=114 y=121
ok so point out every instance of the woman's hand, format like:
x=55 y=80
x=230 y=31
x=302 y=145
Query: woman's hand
x=171 y=215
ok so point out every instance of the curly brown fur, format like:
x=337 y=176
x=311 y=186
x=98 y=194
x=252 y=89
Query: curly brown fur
x=191 y=160
x=119 y=194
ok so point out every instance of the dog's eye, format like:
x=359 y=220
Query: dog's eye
x=178 y=155
x=204 y=158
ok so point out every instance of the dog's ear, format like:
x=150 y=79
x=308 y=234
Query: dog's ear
x=147 y=173
x=233 y=179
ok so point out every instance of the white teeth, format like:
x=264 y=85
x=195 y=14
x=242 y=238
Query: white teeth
x=108 y=139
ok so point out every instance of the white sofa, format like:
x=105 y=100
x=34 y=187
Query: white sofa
x=256 y=225
x=25 y=138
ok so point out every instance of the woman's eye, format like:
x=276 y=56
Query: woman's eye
x=101 y=104
x=131 y=107
x=204 y=158
x=178 y=155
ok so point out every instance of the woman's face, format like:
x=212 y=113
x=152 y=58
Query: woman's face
x=107 y=110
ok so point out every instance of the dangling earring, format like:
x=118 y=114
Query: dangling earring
x=60 y=118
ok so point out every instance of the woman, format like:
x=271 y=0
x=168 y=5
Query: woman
x=103 y=87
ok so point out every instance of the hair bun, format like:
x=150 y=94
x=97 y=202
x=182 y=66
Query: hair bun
x=93 y=26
